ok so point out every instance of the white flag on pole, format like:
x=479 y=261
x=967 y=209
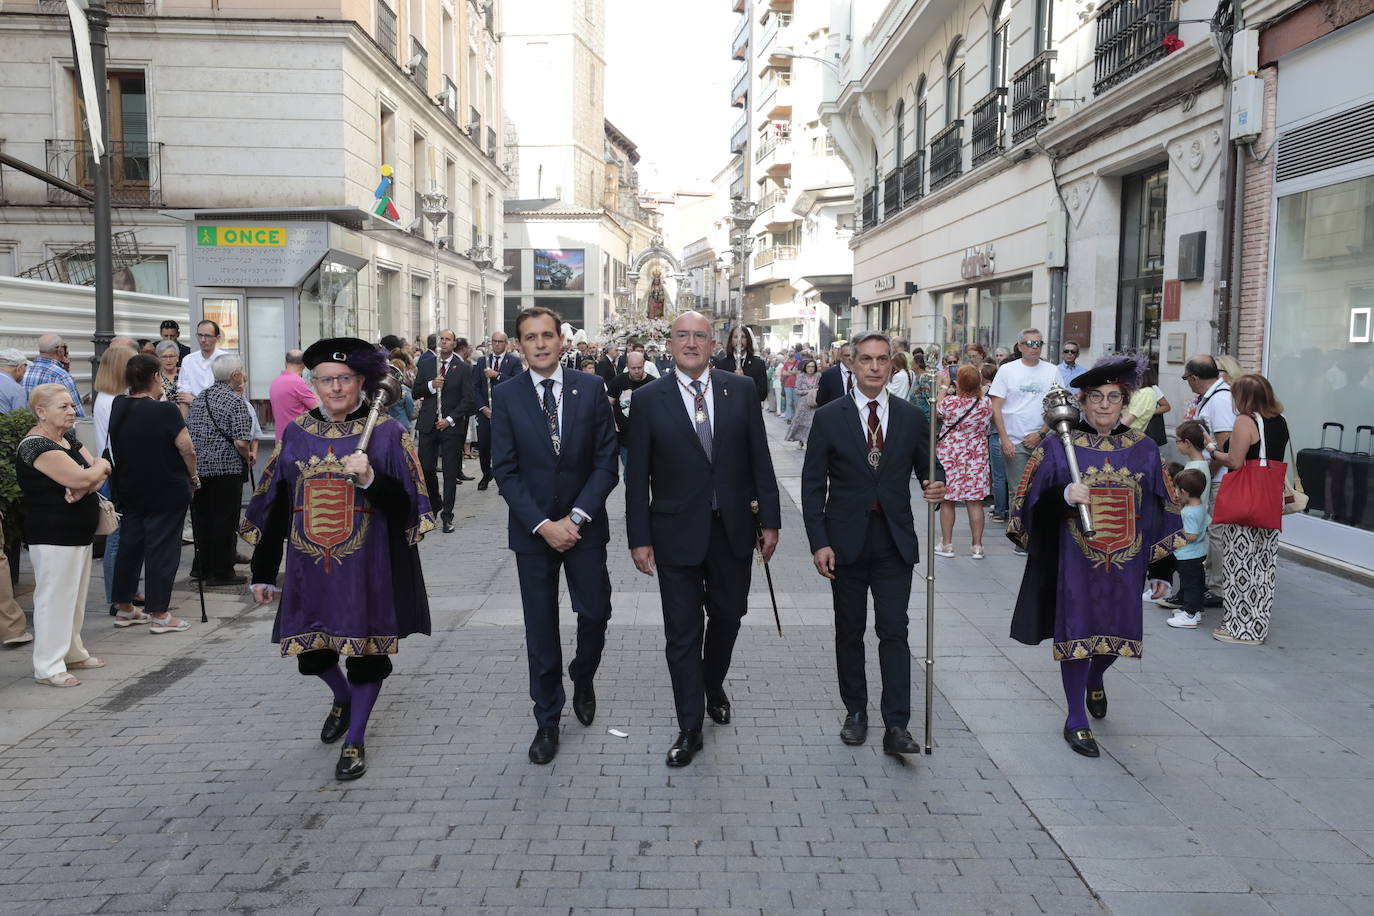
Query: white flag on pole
x=81 y=41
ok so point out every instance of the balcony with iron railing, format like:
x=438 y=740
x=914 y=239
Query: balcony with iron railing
x=135 y=171
x=739 y=44
x=892 y=193
x=1130 y=37
x=770 y=199
x=913 y=178
x=739 y=137
x=777 y=23
x=946 y=155
x=775 y=253
x=986 y=139
x=739 y=92
x=491 y=143
x=869 y=209
x=774 y=140
x=474 y=126
x=386 y=30
x=450 y=100
x=420 y=72
x=113 y=7
x=1030 y=97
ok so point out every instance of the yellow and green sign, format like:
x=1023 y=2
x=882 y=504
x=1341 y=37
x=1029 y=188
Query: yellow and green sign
x=241 y=236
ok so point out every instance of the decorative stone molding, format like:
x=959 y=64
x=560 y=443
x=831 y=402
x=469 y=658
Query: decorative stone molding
x=1077 y=196
x=1195 y=156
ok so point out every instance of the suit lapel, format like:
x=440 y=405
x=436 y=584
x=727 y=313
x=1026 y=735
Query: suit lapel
x=572 y=400
x=720 y=402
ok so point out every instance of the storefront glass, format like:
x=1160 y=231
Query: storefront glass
x=1321 y=349
x=992 y=314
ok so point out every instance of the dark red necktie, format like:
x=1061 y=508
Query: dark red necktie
x=875 y=428
x=443 y=368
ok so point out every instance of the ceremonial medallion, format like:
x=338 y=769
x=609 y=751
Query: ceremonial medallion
x=701 y=416
x=875 y=457
x=557 y=443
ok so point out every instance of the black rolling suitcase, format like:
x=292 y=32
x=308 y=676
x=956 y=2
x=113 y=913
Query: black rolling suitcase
x=1356 y=470
x=1311 y=470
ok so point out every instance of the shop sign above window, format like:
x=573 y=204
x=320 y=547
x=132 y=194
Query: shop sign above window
x=885 y=283
x=978 y=262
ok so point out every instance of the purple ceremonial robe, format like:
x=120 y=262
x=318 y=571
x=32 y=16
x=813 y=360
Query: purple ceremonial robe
x=353 y=581
x=1085 y=592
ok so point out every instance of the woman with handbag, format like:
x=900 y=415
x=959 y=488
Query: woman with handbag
x=807 y=382
x=221 y=430
x=962 y=447
x=1249 y=509
x=63 y=513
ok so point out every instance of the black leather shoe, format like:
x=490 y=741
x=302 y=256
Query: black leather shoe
x=448 y=527
x=484 y=483
x=688 y=743
x=718 y=705
x=1082 y=741
x=544 y=747
x=352 y=762
x=898 y=741
x=462 y=476
x=1097 y=703
x=336 y=723
x=584 y=702
x=855 y=730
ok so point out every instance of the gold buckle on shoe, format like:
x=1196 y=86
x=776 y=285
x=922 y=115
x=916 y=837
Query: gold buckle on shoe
x=349 y=752
x=1083 y=734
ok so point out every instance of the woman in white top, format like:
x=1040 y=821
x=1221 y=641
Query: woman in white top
x=109 y=383
x=899 y=386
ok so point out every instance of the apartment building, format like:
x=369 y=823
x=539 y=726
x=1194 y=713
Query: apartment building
x=228 y=112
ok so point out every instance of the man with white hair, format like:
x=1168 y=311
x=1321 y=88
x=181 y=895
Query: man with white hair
x=48 y=368
x=12 y=394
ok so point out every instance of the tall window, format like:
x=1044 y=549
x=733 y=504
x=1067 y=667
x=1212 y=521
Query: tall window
x=1044 y=25
x=899 y=130
x=1141 y=272
x=919 y=128
x=954 y=82
x=1001 y=31
x=386 y=135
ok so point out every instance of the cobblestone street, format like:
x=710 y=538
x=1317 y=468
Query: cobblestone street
x=187 y=775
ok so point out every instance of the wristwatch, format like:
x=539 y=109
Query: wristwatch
x=579 y=518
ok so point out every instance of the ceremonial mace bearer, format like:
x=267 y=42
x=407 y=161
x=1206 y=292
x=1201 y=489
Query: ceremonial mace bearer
x=348 y=509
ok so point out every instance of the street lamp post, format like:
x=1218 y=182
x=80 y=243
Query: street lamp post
x=434 y=206
x=742 y=214
x=482 y=258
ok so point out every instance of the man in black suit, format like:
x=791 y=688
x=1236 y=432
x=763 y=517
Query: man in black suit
x=606 y=365
x=856 y=500
x=698 y=459
x=554 y=456
x=444 y=381
x=838 y=380
x=489 y=372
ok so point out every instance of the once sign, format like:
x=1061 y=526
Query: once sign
x=242 y=236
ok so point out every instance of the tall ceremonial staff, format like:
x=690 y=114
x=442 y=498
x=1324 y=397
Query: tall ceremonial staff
x=387 y=392
x=931 y=508
x=1060 y=414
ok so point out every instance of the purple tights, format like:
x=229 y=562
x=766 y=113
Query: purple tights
x=1079 y=676
x=337 y=682
x=364 y=696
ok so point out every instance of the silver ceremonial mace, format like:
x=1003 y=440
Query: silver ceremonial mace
x=931 y=509
x=387 y=392
x=1061 y=413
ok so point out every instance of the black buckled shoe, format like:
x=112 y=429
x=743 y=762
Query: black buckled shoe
x=855 y=730
x=1082 y=741
x=898 y=741
x=718 y=705
x=688 y=743
x=544 y=747
x=484 y=482
x=1097 y=703
x=584 y=702
x=352 y=762
x=336 y=723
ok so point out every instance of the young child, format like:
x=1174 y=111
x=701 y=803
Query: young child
x=1192 y=484
x=1191 y=438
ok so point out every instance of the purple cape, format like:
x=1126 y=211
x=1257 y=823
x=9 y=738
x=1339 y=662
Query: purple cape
x=1085 y=593
x=353 y=581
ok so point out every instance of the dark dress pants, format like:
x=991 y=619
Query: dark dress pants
x=148 y=543
x=589 y=589
x=448 y=445
x=215 y=523
x=484 y=444
x=881 y=570
x=699 y=645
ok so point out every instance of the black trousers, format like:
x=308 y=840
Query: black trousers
x=880 y=570
x=448 y=445
x=215 y=523
x=484 y=444
x=151 y=544
x=1192 y=582
x=589 y=589
x=702 y=609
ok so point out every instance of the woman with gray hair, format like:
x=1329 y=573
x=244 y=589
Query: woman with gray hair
x=169 y=356
x=221 y=431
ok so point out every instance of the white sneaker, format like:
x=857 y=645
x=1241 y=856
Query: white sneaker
x=977 y=552
x=1018 y=551
x=944 y=550
x=1184 y=620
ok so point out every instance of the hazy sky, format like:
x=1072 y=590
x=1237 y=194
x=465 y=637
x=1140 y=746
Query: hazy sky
x=668 y=78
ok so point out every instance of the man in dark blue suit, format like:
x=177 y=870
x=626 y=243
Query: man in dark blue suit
x=698 y=459
x=553 y=449
x=489 y=372
x=837 y=381
x=856 y=500
x=444 y=382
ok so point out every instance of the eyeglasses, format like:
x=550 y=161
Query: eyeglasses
x=1187 y=376
x=1070 y=352
x=1036 y=344
x=334 y=381
x=1111 y=397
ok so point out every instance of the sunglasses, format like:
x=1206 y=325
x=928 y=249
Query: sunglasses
x=1035 y=344
x=1070 y=352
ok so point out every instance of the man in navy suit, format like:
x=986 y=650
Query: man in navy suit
x=856 y=501
x=489 y=372
x=553 y=451
x=837 y=381
x=698 y=459
x=444 y=382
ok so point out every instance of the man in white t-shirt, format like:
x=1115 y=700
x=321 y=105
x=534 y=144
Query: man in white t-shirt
x=1018 y=394
x=196 y=374
x=1212 y=407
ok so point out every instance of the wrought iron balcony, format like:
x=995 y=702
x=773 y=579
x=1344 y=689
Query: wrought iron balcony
x=113 y=7
x=420 y=72
x=450 y=100
x=491 y=143
x=986 y=138
x=474 y=126
x=1130 y=37
x=135 y=171
x=869 y=209
x=947 y=155
x=892 y=193
x=771 y=199
x=1030 y=97
x=913 y=178
x=386 y=30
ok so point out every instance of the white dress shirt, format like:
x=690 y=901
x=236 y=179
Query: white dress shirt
x=689 y=398
x=442 y=367
x=538 y=381
x=862 y=400
x=196 y=374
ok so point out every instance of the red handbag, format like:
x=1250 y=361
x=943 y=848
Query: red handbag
x=1252 y=495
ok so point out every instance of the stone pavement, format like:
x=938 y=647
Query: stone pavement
x=187 y=775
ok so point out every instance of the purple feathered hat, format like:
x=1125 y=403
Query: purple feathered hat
x=1124 y=369
x=362 y=357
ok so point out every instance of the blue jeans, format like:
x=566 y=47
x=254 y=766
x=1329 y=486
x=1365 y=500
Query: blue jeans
x=999 y=474
x=790 y=396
